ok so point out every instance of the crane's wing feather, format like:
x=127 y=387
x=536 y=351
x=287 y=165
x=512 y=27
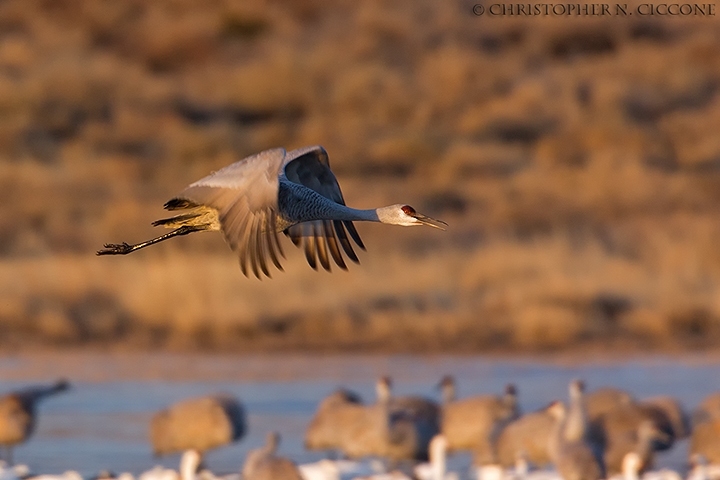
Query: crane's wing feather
x=310 y=167
x=245 y=196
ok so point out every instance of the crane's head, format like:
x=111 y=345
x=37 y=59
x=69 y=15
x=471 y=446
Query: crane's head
x=447 y=387
x=576 y=388
x=406 y=216
x=383 y=388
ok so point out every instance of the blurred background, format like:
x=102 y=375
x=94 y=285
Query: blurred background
x=576 y=160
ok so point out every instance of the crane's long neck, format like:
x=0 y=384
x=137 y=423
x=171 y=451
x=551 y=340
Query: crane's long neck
x=32 y=395
x=576 y=420
x=448 y=392
x=557 y=438
x=342 y=212
x=298 y=203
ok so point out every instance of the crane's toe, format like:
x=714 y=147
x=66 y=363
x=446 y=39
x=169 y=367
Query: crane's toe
x=115 y=249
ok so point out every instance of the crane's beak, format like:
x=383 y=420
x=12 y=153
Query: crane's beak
x=425 y=220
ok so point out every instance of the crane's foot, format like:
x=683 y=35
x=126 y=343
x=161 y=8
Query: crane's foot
x=116 y=249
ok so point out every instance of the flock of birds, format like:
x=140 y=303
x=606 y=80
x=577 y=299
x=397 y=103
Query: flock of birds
x=606 y=433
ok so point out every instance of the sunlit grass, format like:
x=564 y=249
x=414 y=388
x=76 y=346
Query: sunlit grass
x=576 y=161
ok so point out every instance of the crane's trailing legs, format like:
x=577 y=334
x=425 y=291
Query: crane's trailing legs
x=125 y=248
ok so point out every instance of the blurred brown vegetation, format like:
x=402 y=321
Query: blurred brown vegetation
x=577 y=161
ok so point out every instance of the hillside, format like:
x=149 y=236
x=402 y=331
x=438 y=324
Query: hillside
x=576 y=160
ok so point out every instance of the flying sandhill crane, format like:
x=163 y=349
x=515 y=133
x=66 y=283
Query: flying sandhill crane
x=17 y=413
x=274 y=191
x=264 y=463
x=197 y=424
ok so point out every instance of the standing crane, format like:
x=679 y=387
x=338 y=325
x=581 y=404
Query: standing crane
x=198 y=424
x=18 y=412
x=274 y=191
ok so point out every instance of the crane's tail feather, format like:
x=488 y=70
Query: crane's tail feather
x=179 y=204
x=176 y=221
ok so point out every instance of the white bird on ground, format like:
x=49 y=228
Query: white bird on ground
x=702 y=469
x=69 y=475
x=13 y=472
x=320 y=470
x=189 y=464
x=491 y=471
x=274 y=191
x=633 y=463
x=108 y=475
x=338 y=469
x=436 y=469
x=159 y=473
x=523 y=471
x=392 y=475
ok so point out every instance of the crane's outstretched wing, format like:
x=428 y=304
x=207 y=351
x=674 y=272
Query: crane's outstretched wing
x=310 y=167
x=245 y=196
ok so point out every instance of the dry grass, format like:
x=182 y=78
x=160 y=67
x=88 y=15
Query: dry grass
x=577 y=161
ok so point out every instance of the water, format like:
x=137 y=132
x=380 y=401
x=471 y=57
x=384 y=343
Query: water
x=102 y=423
